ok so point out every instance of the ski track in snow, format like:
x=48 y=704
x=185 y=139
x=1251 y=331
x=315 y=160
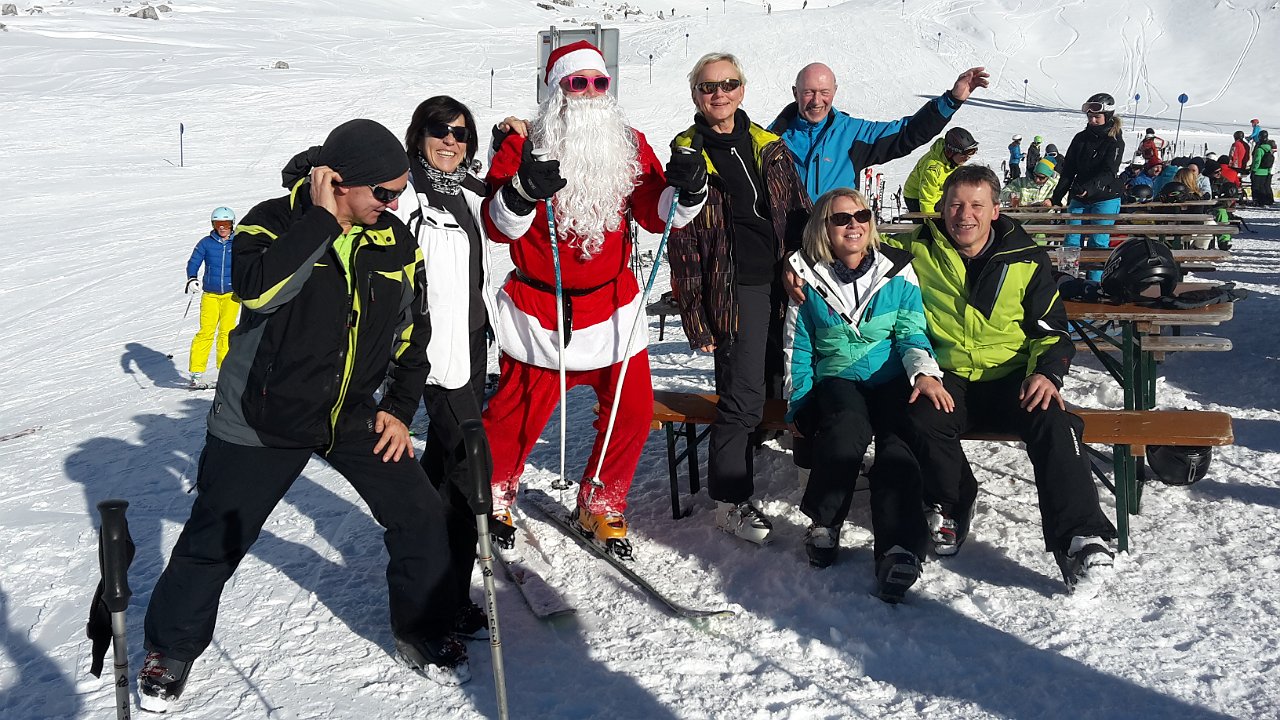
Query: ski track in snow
x=89 y=285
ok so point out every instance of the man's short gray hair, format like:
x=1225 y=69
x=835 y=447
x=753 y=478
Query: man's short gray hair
x=709 y=58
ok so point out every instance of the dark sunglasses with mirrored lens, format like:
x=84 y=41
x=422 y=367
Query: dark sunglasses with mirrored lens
x=579 y=83
x=843 y=219
x=967 y=152
x=443 y=130
x=709 y=87
x=386 y=196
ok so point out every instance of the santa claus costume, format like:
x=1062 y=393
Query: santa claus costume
x=610 y=170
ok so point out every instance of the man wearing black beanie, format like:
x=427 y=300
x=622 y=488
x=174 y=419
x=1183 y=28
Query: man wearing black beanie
x=332 y=291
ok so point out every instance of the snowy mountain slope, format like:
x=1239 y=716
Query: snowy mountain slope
x=89 y=289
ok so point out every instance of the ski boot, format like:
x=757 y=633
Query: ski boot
x=743 y=520
x=161 y=681
x=1086 y=564
x=502 y=529
x=896 y=572
x=443 y=660
x=822 y=544
x=608 y=529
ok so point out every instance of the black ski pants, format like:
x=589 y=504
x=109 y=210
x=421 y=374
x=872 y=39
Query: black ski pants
x=1067 y=496
x=239 y=486
x=741 y=379
x=1262 y=193
x=445 y=461
x=840 y=419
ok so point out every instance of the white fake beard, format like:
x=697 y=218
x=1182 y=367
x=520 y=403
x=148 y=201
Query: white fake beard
x=599 y=159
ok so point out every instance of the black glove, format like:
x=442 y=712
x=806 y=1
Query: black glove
x=1080 y=289
x=687 y=172
x=537 y=179
x=193 y=285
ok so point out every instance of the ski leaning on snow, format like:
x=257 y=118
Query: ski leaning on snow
x=548 y=509
x=21 y=433
x=524 y=565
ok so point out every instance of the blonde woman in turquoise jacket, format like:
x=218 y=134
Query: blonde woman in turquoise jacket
x=858 y=352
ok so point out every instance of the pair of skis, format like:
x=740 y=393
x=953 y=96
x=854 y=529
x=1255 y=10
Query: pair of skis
x=527 y=561
x=873 y=182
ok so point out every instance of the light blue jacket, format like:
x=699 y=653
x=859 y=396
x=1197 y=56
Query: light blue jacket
x=215 y=253
x=871 y=330
x=832 y=153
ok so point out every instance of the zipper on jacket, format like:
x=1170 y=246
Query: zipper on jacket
x=755 y=192
x=353 y=330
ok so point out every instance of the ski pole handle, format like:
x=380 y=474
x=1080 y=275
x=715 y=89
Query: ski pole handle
x=113 y=554
x=479 y=466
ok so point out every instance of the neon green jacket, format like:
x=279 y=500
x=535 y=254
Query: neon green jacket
x=925 y=181
x=1012 y=319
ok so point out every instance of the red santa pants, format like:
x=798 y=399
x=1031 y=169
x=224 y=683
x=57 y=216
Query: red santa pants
x=518 y=412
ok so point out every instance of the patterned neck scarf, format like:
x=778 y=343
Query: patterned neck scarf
x=445 y=183
x=847 y=275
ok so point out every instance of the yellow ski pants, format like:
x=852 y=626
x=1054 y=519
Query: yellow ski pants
x=217 y=315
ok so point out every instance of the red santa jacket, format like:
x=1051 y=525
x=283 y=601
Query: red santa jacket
x=1150 y=148
x=603 y=292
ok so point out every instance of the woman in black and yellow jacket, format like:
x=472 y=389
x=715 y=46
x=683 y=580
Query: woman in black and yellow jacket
x=726 y=274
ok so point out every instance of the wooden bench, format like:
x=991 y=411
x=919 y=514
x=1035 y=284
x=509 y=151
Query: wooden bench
x=1128 y=432
x=1117 y=229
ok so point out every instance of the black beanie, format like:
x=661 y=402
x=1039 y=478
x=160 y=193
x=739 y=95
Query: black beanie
x=362 y=151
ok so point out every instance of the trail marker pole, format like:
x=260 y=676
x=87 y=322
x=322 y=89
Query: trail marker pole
x=939 y=42
x=686 y=46
x=650 y=68
x=181 y=129
x=1136 y=98
x=1024 y=90
x=490 y=87
x=1182 y=102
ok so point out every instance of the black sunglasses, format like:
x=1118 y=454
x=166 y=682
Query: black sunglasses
x=386 y=196
x=443 y=130
x=709 y=87
x=967 y=152
x=843 y=219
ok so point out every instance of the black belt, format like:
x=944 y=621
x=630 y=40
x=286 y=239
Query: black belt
x=566 y=293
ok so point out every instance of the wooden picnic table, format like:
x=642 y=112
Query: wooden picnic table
x=1118 y=229
x=1098 y=256
x=1184 y=204
x=1135 y=370
x=1039 y=217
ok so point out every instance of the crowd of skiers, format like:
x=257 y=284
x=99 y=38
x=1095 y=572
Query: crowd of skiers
x=367 y=289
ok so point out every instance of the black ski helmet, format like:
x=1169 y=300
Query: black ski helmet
x=1138 y=193
x=1239 y=135
x=1228 y=190
x=1179 y=464
x=1175 y=191
x=958 y=140
x=1137 y=264
x=1103 y=102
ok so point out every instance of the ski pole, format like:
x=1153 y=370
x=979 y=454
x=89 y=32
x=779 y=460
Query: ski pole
x=184 y=318
x=560 y=483
x=113 y=556
x=635 y=326
x=480 y=465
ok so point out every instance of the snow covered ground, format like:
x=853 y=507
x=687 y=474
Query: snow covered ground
x=102 y=218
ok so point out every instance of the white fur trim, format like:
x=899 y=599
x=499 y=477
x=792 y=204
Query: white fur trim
x=509 y=222
x=576 y=61
x=523 y=337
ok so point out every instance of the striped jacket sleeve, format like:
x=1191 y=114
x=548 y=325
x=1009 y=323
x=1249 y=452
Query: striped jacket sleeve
x=268 y=269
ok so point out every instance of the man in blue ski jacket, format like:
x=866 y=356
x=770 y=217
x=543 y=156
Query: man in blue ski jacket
x=830 y=148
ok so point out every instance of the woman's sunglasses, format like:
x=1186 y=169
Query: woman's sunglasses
x=844 y=219
x=579 y=83
x=443 y=130
x=709 y=87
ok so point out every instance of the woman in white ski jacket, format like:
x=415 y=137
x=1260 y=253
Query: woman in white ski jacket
x=441 y=206
x=858 y=352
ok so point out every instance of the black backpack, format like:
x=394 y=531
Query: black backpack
x=1268 y=158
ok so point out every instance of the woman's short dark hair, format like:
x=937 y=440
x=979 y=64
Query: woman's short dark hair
x=439 y=109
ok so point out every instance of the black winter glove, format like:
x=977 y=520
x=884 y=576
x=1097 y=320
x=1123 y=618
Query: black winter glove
x=687 y=172
x=537 y=179
x=193 y=285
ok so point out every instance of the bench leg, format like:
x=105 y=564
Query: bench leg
x=1124 y=473
x=670 y=433
x=691 y=454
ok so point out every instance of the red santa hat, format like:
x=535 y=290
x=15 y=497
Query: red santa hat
x=573 y=58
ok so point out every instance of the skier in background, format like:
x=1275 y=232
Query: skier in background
x=1015 y=158
x=218 y=306
x=1089 y=173
x=1151 y=146
x=1033 y=153
x=923 y=188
